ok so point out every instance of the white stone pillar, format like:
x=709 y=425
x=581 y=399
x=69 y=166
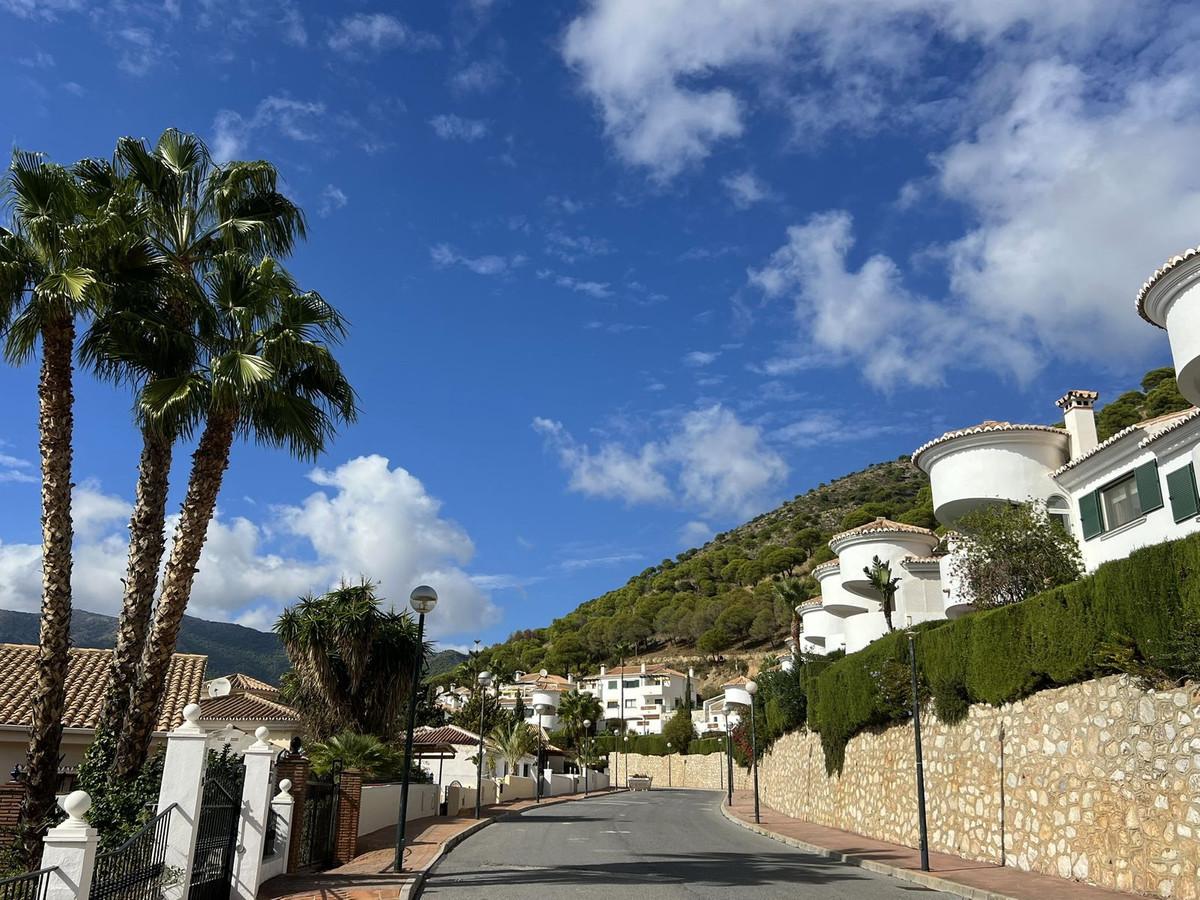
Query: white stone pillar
x=183 y=785
x=252 y=821
x=284 y=806
x=70 y=849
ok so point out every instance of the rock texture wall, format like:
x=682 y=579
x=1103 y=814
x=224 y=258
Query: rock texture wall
x=703 y=772
x=1098 y=782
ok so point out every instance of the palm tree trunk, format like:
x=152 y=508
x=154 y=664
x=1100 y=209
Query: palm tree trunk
x=55 y=427
x=147 y=540
x=208 y=468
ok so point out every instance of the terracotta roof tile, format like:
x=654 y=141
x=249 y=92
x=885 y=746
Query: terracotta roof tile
x=446 y=734
x=1153 y=428
x=654 y=669
x=246 y=708
x=880 y=526
x=241 y=682
x=1157 y=276
x=825 y=567
x=87 y=681
x=981 y=428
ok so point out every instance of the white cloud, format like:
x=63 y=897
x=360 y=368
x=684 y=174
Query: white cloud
x=478 y=77
x=695 y=533
x=291 y=25
x=611 y=471
x=13 y=468
x=745 y=189
x=1051 y=183
x=451 y=127
x=377 y=32
x=711 y=461
x=297 y=120
x=39 y=59
x=822 y=427
x=592 y=562
x=571 y=248
x=668 y=78
x=368 y=519
x=700 y=358
x=48 y=10
x=598 y=290
x=332 y=198
x=444 y=255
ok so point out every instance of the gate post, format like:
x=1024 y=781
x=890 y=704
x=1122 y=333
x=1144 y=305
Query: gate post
x=183 y=785
x=252 y=818
x=345 y=840
x=70 y=850
x=294 y=768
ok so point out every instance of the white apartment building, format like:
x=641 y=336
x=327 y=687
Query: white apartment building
x=640 y=699
x=713 y=718
x=1135 y=489
x=529 y=687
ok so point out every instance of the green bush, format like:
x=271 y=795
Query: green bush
x=705 y=746
x=1134 y=615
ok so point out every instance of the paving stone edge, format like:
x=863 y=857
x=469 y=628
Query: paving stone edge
x=925 y=879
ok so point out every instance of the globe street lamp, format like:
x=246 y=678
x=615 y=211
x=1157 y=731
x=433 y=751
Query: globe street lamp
x=423 y=599
x=668 y=763
x=587 y=725
x=484 y=679
x=728 y=757
x=752 y=689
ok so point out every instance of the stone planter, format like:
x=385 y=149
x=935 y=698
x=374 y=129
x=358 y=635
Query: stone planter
x=639 y=783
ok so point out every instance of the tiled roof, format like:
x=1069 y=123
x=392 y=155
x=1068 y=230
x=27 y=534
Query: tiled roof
x=446 y=734
x=246 y=708
x=809 y=604
x=1153 y=428
x=981 y=428
x=880 y=526
x=87 y=681
x=740 y=681
x=241 y=682
x=1157 y=276
x=655 y=669
x=920 y=561
x=825 y=567
x=539 y=678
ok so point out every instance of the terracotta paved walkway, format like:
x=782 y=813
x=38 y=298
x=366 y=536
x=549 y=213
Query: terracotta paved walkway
x=369 y=875
x=950 y=873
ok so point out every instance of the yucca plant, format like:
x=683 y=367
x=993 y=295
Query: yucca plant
x=885 y=585
x=513 y=742
x=353 y=750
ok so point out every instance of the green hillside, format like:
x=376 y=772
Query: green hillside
x=229 y=648
x=721 y=597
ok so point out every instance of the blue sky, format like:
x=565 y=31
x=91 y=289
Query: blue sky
x=623 y=274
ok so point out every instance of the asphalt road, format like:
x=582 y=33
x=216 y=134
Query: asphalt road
x=662 y=844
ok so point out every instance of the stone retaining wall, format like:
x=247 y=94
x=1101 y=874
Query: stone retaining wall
x=1098 y=781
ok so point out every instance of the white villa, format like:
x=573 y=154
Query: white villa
x=714 y=716
x=535 y=689
x=642 y=698
x=1132 y=490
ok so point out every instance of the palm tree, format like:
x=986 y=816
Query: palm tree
x=352 y=750
x=191 y=211
x=269 y=374
x=577 y=707
x=47 y=281
x=513 y=741
x=879 y=574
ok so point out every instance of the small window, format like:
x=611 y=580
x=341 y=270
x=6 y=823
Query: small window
x=1059 y=512
x=630 y=704
x=631 y=682
x=612 y=685
x=1120 y=503
x=612 y=704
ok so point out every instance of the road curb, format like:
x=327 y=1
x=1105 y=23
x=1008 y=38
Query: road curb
x=413 y=891
x=925 y=879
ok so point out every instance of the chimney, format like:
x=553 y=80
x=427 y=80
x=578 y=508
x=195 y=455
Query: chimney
x=1080 y=420
x=643 y=668
x=603 y=671
x=691 y=672
x=570 y=678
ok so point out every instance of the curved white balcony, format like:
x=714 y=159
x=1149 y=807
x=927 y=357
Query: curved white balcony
x=953 y=600
x=862 y=630
x=835 y=600
x=1170 y=299
x=822 y=630
x=989 y=463
x=891 y=541
x=545 y=698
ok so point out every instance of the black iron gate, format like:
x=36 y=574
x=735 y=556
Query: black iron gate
x=216 y=834
x=319 y=827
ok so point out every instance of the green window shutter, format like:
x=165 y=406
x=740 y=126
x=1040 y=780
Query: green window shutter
x=1089 y=515
x=1181 y=486
x=1148 y=488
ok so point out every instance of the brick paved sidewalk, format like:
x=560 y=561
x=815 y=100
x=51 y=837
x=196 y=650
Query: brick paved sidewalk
x=369 y=875
x=966 y=878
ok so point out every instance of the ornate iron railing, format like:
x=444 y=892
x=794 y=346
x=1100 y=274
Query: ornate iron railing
x=272 y=834
x=135 y=870
x=30 y=886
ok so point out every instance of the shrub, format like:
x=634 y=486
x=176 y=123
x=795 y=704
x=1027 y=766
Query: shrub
x=1139 y=615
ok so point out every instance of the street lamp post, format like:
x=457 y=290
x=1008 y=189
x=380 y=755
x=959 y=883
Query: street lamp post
x=423 y=599
x=484 y=679
x=539 y=756
x=916 y=709
x=668 y=763
x=587 y=725
x=752 y=689
x=728 y=759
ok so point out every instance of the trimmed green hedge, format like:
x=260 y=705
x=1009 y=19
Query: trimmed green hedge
x=705 y=746
x=656 y=745
x=1127 y=616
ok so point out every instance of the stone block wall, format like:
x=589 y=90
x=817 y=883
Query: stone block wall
x=703 y=772
x=1099 y=782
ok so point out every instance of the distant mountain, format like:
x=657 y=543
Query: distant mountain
x=229 y=648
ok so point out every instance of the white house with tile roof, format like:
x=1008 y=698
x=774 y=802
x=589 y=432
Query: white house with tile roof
x=529 y=688
x=641 y=697
x=1170 y=300
x=234 y=706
